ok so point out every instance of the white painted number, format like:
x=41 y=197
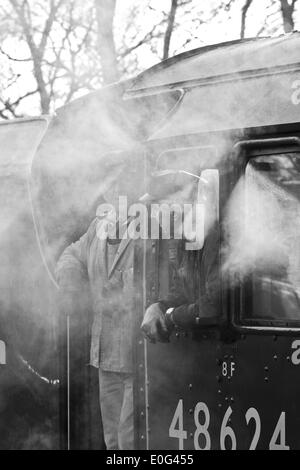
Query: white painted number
x=279 y=434
x=227 y=431
x=296 y=354
x=228 y=369
x=224 y=369
x=2 y=353
x=202 y=438
x=202 y=429
x=296 y=94
x=252 y=413
x=179 y=432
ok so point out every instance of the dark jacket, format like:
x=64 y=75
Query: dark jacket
x=195 y=284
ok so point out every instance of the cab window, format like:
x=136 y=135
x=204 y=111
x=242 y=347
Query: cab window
x=270 y=293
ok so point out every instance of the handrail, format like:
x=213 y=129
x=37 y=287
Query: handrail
x=281 y=141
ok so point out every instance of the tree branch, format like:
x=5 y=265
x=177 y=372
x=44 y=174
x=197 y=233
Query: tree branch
x=36 y=53
x=29 y=93
x=106 y=45
x=150 y=35
x=170 y=27
x=14 y=59
x=287 y=11
x=10 y=107
x=48 y=25
x=244 y=15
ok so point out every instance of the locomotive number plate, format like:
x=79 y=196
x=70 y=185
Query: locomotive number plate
x=228 y=436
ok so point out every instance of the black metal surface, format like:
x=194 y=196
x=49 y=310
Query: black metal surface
x=229 y=387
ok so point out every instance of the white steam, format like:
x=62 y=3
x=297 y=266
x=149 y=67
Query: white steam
x=263 y=223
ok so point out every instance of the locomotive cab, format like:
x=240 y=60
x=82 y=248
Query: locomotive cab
x=210 y=386
x=209 y=366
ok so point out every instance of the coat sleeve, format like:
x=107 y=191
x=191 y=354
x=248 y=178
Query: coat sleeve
x=187 y=314
x=181 y=279
x=177 y=294
x=71 y=269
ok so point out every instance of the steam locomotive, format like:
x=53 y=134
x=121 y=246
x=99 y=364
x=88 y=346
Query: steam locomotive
x=231 y=110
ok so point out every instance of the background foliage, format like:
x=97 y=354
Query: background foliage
x=52 y=51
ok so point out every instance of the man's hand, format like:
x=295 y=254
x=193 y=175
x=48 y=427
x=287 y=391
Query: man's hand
x=154 y=325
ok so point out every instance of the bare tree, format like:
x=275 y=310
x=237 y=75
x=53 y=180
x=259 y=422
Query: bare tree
x=279 y=13
x=244 y=15
x=37 y=49
x=58 y=35
x=287 y=10
x=170 y=27
x=105 y=12
x=65 y=48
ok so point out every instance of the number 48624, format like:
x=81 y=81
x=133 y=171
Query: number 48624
x=228 y=440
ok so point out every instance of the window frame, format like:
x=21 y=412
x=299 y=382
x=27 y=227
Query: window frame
x=245 y=151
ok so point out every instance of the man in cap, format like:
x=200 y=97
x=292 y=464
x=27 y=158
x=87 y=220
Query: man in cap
x=103 y=258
